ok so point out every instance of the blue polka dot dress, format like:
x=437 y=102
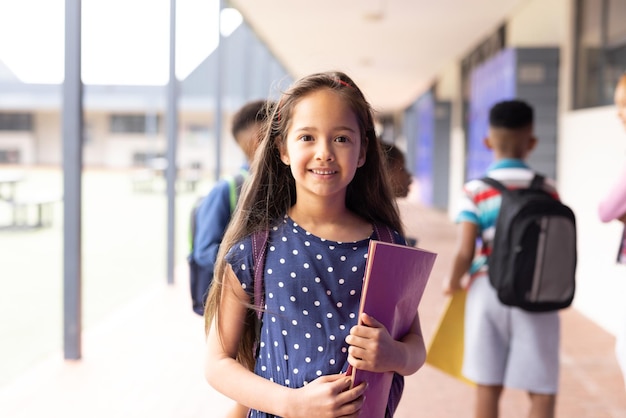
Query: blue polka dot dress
x=312 y=292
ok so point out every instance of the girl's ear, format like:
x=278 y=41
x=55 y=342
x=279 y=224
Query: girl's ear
x=361 y=160
x=282 y=149
x=362 y=154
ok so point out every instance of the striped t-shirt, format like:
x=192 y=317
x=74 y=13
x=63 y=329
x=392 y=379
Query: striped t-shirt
x=480 y=203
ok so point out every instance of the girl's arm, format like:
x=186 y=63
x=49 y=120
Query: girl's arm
x=373 y=349
x=223 y=371
x=325 y=396
x=613 y=206
x=413 y=349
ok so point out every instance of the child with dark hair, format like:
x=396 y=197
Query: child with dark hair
x=400 y=177
x=213 y=212
x=511 y=114
x=396 y=164
x=319 y=186
x=504 y=346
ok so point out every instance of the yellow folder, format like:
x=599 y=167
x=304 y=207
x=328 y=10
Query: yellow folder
x=446 y=347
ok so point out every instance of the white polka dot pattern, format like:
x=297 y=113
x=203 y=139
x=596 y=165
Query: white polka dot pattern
x=312 y=289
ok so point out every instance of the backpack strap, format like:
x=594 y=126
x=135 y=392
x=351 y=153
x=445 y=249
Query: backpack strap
x=193 y=224
x=259 y=248
x=234 y=187
x=537 y=181
x=383 y=232
x=495 y=184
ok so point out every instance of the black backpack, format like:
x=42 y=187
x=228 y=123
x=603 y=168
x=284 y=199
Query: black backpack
x=532 y=264
x=200 y=277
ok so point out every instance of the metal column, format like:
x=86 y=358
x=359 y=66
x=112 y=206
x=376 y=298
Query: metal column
x=72 y=182
x=219 y=71
x=172 y=133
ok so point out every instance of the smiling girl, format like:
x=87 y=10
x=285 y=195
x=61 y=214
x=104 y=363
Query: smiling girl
x=319 y=186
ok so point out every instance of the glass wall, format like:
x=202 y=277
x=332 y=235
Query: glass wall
x=600 y=50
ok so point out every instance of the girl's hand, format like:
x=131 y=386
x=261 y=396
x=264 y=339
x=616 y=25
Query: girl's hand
x=371 y=346
x=327 y=397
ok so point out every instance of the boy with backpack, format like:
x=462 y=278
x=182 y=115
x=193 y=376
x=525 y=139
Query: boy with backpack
x=504 y=345
x=211 y=214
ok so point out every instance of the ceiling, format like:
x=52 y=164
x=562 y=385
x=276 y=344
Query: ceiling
x=393 y=49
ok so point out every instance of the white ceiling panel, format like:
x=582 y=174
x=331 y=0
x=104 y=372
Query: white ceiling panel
x=393 y=49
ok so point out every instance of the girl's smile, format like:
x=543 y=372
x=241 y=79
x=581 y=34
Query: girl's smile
x=323 y=172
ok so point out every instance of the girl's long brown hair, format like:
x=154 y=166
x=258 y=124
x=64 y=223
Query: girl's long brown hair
x=270 y=190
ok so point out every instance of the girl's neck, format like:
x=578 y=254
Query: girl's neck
x=332 y=222
x=309 y=214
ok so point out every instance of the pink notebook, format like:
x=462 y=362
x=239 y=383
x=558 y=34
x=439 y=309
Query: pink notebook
x=395 y=279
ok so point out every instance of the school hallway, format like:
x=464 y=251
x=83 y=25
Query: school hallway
x=145 y=359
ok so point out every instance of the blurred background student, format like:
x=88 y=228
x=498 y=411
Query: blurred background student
x=400 y=176
x=211 y=215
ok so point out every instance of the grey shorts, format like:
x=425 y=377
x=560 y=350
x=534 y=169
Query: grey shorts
x=509 y=346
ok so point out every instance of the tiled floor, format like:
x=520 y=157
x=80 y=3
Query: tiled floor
x=146 y=360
